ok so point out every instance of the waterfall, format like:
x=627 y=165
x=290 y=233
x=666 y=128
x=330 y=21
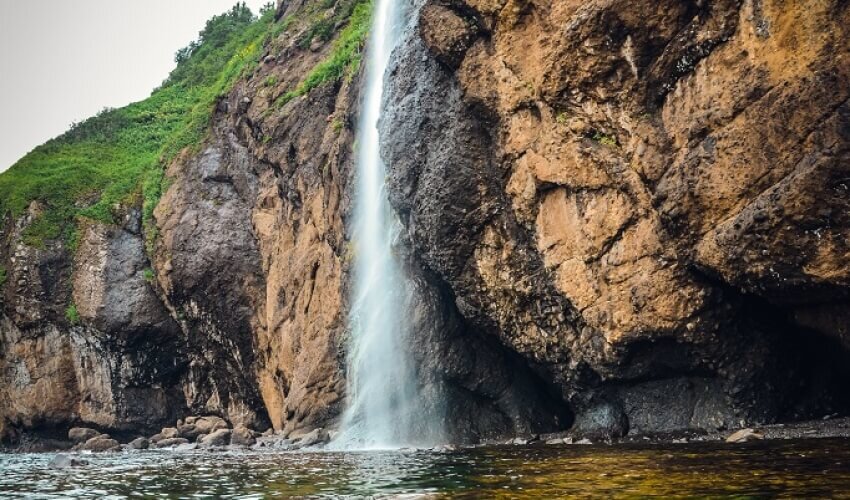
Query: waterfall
x=384 y=405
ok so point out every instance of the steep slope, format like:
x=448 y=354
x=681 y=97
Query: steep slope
x=85 y=337
x=230 y=297
x=619 y=216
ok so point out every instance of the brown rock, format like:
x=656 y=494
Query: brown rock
x=170 y=442
x=744 y=436
x=602 y=204
x=220 y=437
x=242 y=436
x=166 y=433
x=313 y=438
x=196 y=426
x=82 y=434
x=101 y=443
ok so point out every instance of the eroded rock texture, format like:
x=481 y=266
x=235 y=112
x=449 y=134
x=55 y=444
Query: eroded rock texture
x=646 y=201
x=113 y=363
x=621 y=216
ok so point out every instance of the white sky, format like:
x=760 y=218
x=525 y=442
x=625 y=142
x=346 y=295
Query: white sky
x=64 y=60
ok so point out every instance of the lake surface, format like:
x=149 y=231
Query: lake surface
x=779 y=469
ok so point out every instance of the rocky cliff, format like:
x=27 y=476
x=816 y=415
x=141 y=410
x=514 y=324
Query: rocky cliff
x=619 y=216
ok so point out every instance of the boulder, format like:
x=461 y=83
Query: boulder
x=169 y=442
x=82 y=434
x=744 y=435
x=602 y=421
x=139 y=444
x=196 y=426
x=317 y=436
x=101 y=443
x=220 y=437
x=165 y=433
x=242 y=436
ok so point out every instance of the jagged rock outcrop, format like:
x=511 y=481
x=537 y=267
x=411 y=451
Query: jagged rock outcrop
x=620 y=216
x=642 y=199
x=112 y=360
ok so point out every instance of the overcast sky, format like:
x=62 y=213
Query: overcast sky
x=64 y=60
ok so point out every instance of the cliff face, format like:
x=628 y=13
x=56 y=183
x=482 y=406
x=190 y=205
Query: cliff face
x=619 y=215
x=647 y=201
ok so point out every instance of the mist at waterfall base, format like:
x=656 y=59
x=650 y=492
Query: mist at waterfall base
x=385 y=410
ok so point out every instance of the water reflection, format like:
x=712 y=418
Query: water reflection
x=811 y=469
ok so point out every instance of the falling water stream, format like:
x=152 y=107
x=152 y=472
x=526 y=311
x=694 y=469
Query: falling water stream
x=384 y=408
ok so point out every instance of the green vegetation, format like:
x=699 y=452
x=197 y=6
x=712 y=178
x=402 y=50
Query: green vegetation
x=117 y=157
x=322 y=26
x=72 y=315
x=2 y=276
x=604 y=139
x=344 y=59
x=149 y=275
x=562 y=118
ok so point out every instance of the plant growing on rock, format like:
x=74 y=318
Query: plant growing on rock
x=344 y=59
x=72 y=315
x=605 y=139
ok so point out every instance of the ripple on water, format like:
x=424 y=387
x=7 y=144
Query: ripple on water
x=809 y=469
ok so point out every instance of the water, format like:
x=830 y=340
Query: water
x=804 y=469
x=385 y=410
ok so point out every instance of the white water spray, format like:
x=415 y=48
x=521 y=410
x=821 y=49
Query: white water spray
x=384 y=408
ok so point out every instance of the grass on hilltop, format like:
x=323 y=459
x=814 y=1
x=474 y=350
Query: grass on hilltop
x=118 y=155
x=117 y=158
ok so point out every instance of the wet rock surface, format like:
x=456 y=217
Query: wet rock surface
x=100 y=444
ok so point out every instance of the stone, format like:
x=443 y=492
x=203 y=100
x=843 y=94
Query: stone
x=242 y=436
x=744 y=436
x=196 y=426
x=169 y=433
x=313 y=438
x=101 y=443
x=601 y=421
x=82 y=434
x=217 y=438
x=170 y=442
x=186 y=447
x=166 y=433
x=139 y=444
